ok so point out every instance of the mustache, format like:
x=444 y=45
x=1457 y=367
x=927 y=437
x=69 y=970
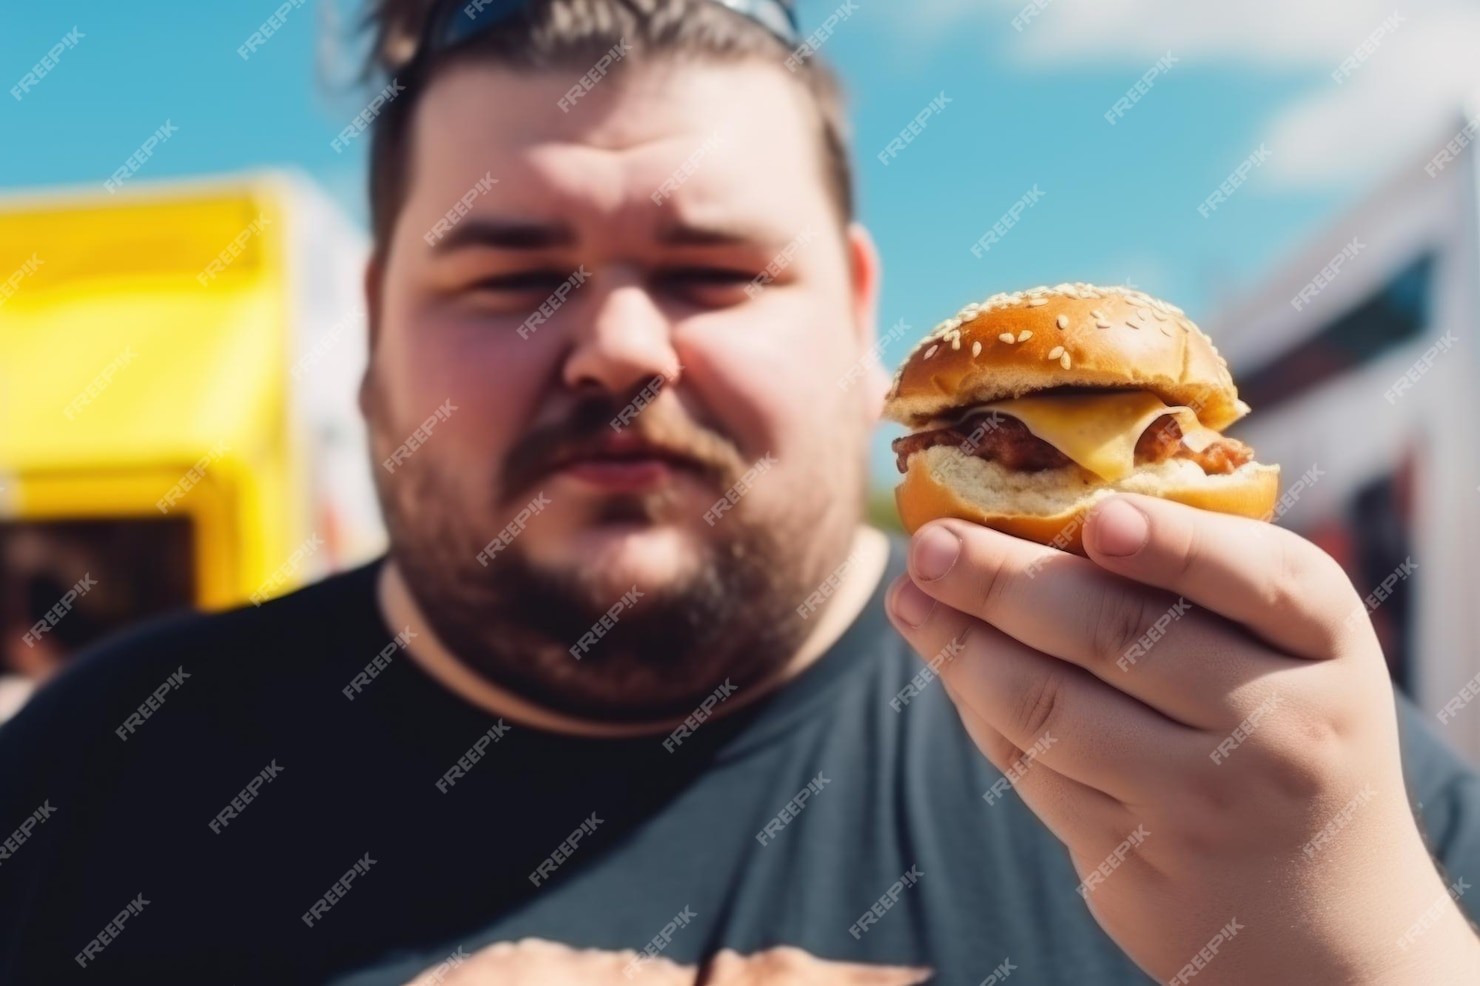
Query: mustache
x=594 y=421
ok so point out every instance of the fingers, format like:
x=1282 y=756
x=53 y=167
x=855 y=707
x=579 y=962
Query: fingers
x=1065 y=806
x=789 y=966
x=1146 y=642
x=1078 y=726
x=1275 y=583
x=538 y=962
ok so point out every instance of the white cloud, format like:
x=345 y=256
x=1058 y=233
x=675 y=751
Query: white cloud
x=1402 y=98
x=1266 y=32
x=1403 y=102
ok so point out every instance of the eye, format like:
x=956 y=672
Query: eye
x=518 y=282
x=709 y=284
x=711 y=275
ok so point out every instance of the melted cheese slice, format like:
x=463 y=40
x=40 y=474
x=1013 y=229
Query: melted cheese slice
x=1100 y=431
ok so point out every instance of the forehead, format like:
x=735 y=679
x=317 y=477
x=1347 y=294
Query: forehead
x=718 y=141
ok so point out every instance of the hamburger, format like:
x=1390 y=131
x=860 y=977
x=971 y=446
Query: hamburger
x=1028 y=408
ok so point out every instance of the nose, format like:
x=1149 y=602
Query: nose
x=625 y=342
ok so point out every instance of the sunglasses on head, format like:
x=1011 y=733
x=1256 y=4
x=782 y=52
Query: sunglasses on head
x=456 y=21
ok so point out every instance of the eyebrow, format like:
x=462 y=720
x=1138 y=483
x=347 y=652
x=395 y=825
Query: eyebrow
x=518 y=234
x=717 y=234
x=506 y=234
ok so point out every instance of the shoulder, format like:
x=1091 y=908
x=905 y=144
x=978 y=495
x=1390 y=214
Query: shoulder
x=125 y=675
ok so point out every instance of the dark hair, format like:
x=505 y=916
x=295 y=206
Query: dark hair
x=572 y=35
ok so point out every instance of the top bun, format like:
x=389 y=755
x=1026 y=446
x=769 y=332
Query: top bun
x=1069 y=335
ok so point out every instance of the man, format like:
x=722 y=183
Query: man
x=623 y=704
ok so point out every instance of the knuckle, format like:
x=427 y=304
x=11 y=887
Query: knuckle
x=1185 y=547
x=1039 y=707
x=1282 y=589
x=995 y=578
x=964 y=641
x=1294 y=778
x=1309 y=584
x=1008 y=754
x=1121 y=619
x=1301 y=760
x=1304 y=563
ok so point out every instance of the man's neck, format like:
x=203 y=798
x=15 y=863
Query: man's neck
x=870 y=548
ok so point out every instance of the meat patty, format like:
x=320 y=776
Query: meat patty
x=1006 y=440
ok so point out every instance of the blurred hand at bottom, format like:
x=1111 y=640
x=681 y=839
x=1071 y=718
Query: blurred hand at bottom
x=535 y=962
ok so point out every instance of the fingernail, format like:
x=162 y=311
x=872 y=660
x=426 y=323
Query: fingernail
x=1119 y=528
x=911 y=606
x=934 y=552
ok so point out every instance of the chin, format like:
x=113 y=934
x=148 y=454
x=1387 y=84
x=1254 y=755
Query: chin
x=613 y=555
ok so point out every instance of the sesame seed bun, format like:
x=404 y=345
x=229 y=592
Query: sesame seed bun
x=1049 y=505
x=1070 y=335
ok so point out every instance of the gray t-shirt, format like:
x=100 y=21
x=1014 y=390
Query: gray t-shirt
x=202 y=800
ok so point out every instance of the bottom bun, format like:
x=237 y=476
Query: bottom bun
x=1049 y=506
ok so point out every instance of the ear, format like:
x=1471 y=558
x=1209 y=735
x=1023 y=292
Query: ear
x=374 y=277
x=867 y=271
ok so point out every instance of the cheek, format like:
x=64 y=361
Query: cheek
x=770 y=388
x=491 y=381
x=742 y=389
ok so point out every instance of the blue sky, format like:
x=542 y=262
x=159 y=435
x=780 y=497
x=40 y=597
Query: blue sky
x=1025 y=108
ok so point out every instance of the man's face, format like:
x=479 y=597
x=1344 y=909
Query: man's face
x=603 y=291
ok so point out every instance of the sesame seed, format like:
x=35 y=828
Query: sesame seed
x=1056 y=352
x=1036 y=302
x=1006 y=337
x=1024 y=336
x=1143 y=314
x=1133 y=325
x=1097 y=315
x=1063 y=321
x=1161 y=316
x=1102 y=324
x=931 y=351
x=976 y=348
x=1164 y=330
x=1064 y=361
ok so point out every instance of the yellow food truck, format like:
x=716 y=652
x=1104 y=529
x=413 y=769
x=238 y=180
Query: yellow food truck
x=178 y=367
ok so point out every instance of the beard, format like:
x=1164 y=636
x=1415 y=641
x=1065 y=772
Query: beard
x=730 y=617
